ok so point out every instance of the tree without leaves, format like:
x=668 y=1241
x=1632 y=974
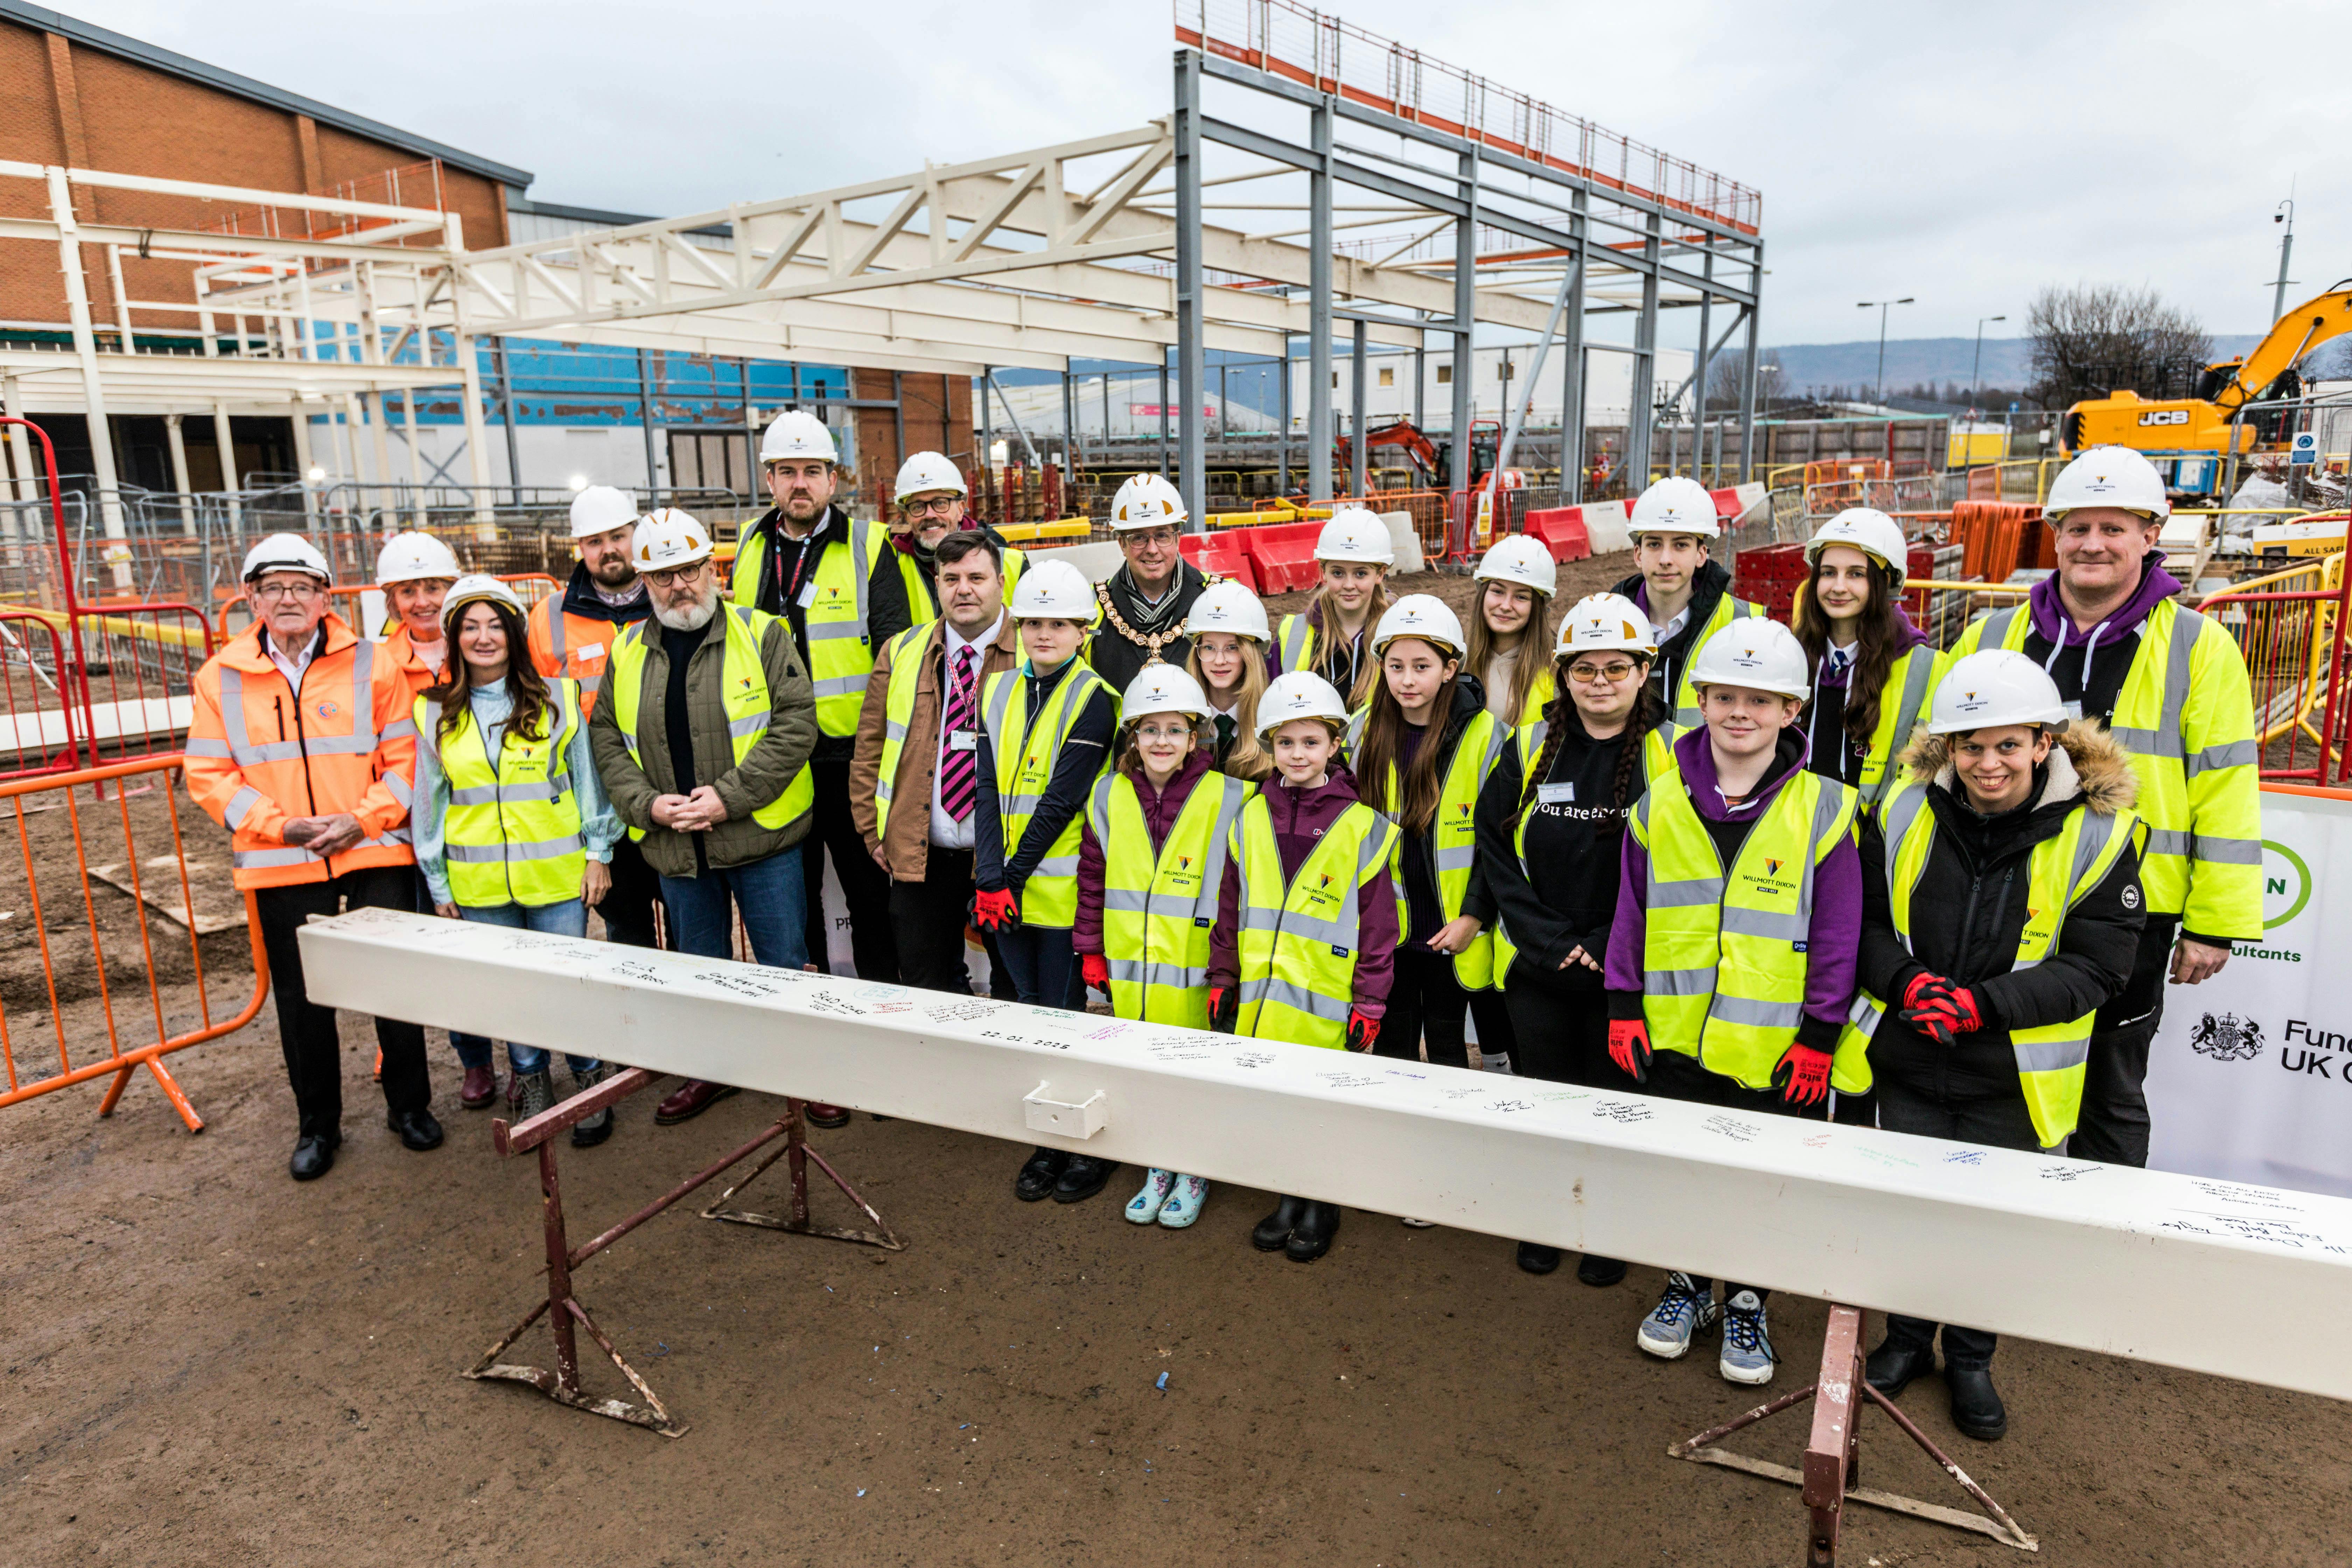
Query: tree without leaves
x=1725 y=372
x=2092 y=340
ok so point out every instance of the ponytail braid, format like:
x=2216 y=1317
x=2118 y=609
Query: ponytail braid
x=1555 y=714
x=1647 y=711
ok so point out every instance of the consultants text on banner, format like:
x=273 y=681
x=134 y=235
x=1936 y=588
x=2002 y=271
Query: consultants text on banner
x=2251 y=1077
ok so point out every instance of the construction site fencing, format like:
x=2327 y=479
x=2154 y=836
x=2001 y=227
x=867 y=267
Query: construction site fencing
x=109 y=917
x=2290 y=627
x=347 y=600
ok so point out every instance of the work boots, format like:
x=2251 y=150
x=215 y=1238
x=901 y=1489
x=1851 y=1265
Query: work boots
x=1976 y=1410
x=537 y=1093
x=1310 y=1239
x=1273 y=1232
x=591 y=1131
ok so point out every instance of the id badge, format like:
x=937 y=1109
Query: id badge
x=1556 y=793
x=588 y=650
x=963 y=739
x=807 y=595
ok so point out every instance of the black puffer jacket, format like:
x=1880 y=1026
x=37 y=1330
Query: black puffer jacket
x=1969 y=908
x=1709 y=584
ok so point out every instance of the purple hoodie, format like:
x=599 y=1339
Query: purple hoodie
x=2056 y=626
x=1299 y=817
x=1161 y=809
x=1836 y=932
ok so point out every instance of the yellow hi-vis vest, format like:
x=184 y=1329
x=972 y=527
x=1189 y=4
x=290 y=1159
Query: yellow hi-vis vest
x=1724 y=958
x=1024 y=750
x=512 y=834
x=2060 y=872
x=2203 y=806
x=907 y=653
x=1685 y=716
x=833 y=600
x=745 y=681
x=1900 y=704
x=1158 y=910
x=1453 y=834
x=1299 y=939
x=1527 y=739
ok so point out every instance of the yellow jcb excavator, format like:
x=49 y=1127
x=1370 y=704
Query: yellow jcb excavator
x=2212 y=421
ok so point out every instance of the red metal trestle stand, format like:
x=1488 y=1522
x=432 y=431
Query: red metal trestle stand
x=567 y=1318
x=1832 y=1454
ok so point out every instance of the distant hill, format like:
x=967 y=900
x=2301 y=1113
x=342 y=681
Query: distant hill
x=1910 y=361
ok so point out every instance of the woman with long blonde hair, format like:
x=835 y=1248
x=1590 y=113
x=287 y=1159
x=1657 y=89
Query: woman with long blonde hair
x=1329 y=637
x=1228 y=632
x=1510 y=628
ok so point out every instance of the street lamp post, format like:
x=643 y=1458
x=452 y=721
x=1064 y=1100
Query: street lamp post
x=1881 y=307
x=1975 y=367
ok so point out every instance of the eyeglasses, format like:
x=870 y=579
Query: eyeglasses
x=673 y=576
x=267 y=593
x=1162 y=732
x=1160 y=536
x=919 y=507
x=1588 y=675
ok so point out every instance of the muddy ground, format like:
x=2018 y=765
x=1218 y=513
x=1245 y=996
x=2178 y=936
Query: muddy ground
x=206 y=1364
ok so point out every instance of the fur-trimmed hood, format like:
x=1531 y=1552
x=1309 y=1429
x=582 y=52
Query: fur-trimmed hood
x=2086 y=761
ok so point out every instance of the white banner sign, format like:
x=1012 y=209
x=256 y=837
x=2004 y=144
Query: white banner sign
x=2251 y=1077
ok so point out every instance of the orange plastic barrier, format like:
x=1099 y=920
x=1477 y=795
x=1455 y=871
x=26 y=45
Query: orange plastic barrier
x=1999 y=537
x=26 y=797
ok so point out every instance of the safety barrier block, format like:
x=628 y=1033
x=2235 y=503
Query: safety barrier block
x=1220 y=556
x=1561 y=529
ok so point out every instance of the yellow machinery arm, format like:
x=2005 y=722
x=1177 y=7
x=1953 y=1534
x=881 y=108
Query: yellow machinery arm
x=2297 y=334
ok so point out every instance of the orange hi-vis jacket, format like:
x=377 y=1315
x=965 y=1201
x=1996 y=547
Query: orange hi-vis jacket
x=401 y=651
x=261 y=752
x=572 y=646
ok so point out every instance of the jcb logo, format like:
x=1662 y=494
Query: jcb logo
x=2165 y=416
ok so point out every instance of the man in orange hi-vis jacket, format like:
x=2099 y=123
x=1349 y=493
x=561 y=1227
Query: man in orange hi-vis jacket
x=302 y=745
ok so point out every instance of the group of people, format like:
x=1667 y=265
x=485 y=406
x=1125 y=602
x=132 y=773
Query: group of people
x=1657 y=842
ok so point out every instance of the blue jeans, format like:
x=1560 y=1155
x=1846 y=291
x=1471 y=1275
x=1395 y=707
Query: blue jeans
x=569 y=918
x=769 y=892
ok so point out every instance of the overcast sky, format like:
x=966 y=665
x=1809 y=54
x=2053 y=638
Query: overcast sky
x=1965 y=155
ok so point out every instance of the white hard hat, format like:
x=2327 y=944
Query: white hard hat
x=1868 y=529
x=599 y=508
x=1227 y=606
x=928 y=471
x=1054 y=590
x=797 y=434
x=2108 y=476
x=1147 y=500
x=1163 y=689
x=1761 y=655
x=1301 y=694
x=668 y=539
x=1355 y=534
x=286 y=553
x=477 y=585
x=409 y=557
x=1516 y=558
x=1600 y=622
x=1995 y=685
x=1423 y=616
x=1676 y=505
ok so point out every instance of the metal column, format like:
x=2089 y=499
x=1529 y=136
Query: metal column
x=1698 y=372
x=179 y=445
x=1163 y=415
x=1646 y=366
x=1191 y=365
x=1575 y=365
x=646 y=422
x=1357 y=455
x=1282 y=438
x=506 y=415
x=1465 y=305
x=1747 y=371
x=1318 y=309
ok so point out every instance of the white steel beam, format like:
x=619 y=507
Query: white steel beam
x=2156 y=1267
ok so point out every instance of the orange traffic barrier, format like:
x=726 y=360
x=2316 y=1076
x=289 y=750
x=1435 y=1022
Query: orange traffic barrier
x=150 y=781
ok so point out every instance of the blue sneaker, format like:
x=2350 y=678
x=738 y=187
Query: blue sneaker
x=1681 y=1313
x=1183 y=1204
x=1747 y=1347
x=1144 y=1207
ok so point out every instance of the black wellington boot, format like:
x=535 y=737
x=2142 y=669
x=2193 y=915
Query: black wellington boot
x=1311 y=1238
x=1273 y=1232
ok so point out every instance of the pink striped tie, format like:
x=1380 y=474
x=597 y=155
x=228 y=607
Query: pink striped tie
x=960 y=772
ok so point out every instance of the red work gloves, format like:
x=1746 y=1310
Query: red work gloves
x=1096 y=969
x=1629 y=1047
x=995 y=911
x=1363 y=1033
x=1225 y=1007
x=1939 y=1009
x=1802 y=1075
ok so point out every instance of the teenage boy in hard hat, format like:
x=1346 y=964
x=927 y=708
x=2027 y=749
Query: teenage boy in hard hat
x=1679 y=585
x=414 y=572
x=1988 y=1001
x=571 y=636
x=1731 y=955
x=914 y=781
x=931 y=505
x=1142 y=605
x=702 y=738
x=809 y=562
x=300 y=743
x=2170 y=686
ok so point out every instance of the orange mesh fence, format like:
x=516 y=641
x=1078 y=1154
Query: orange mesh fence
x=109 y=916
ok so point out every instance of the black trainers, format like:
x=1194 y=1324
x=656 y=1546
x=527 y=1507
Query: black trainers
x=1596 y=1270
x=1538 y=1258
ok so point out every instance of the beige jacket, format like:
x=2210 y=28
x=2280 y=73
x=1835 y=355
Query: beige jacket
x=905 y=839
